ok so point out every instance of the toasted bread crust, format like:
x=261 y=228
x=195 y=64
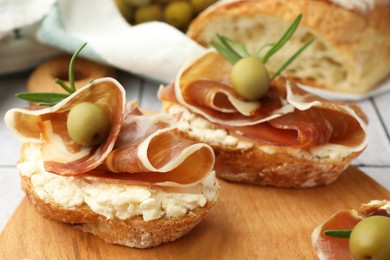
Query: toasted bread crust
x=132 y=232
x=341 y=57
x=279 y=169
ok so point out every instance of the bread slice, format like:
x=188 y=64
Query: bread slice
x=42 y=79
x=132 y=232
x=351 y=51
x=246 y=161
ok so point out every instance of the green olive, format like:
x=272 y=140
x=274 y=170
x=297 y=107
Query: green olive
x=88 y=124
x=137 y=3
x=178 y=14
x=148 y=13
x=250 y=78
x=126 y=10
x=370 y=239
x=200 y=5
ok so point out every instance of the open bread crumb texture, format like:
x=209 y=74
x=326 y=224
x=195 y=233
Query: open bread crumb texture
x=318 y=63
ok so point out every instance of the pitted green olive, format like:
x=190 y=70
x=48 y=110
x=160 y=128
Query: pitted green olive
x=178 y=14
x=250 y=78
x=88 y=124
x=370 y=239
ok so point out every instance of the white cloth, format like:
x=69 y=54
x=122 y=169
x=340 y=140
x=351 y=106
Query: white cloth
x=153 y=50
x=16 y=14
x=19 y=20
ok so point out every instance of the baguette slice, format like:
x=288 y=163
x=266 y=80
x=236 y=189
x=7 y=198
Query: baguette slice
x=142 y=186
x=288 y=138
x=132 y=232
x=241 y=160
x=351 y=51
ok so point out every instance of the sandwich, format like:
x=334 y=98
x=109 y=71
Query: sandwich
x=265 y=131
x=362 y=233
x=99 y=163
x=351 y=53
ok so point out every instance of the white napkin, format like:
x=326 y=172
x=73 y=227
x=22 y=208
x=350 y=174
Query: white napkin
x=19 y=48
x=154 y=50
x=19 y=13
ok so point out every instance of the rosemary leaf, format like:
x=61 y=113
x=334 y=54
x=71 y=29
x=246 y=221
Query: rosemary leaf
x=48 y=98
x=262 y=48
x=345 y=233
x=225 y=53
x=291 y=59
x=224 y=41
x=42 y=97
x=63 y=85
x=286 y=36
x=241 y=47
x=71 y=69
x=225 y=49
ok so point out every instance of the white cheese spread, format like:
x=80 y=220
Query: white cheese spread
x=114 y=200
x=204 y=131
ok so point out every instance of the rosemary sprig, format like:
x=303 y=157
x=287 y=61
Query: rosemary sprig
x=49 y=98
x=344 y=233
x=291 y=59
x=230 y=49
x=42 y=97
x=282 y=41
x=225 y=49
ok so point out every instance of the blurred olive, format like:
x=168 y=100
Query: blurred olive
x=200 y=5
x=178 y=14
x=163 y=2
x=125 y=9
x=148 y=13
x=137 y=3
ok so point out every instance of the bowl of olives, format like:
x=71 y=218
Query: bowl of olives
x=177 y=13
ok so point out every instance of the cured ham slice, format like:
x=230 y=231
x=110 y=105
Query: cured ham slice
x=149 y=149
x=332 y=248
x=142 y=149
x=286 y=116
x=61 y=155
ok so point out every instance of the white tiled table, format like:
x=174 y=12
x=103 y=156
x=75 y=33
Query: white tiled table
x=375 y=161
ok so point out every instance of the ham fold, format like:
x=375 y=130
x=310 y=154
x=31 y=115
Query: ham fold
x=338 y=248
x=286 y=116
x=141 y=149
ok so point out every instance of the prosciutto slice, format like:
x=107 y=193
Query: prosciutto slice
x=61 y=155
x=142 y=149
x=286 y=116
x=329 y=248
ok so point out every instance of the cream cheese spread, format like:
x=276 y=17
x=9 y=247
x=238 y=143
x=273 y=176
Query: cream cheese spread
x=204 y=131
x=114 y=200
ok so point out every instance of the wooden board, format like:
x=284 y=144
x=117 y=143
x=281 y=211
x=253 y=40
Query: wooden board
x=249 y=222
